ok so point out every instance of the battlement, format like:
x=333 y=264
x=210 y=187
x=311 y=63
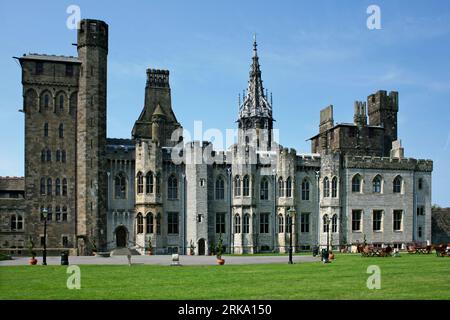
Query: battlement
x=368 y=162
x=381 y=100
x=93 y=33
x=158 y=78
x=12 y=183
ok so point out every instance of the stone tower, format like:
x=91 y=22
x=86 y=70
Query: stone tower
x=255 y=114
x=383 y=109
x=91 y=191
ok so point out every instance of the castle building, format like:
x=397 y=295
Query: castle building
x=157 y=191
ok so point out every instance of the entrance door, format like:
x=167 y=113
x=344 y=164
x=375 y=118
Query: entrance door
x=201 y=247
x=121 y=237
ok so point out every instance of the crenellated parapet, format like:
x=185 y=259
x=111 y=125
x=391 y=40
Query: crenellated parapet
x=386 y=163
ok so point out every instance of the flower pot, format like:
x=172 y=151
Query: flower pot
x=220 y=261
x=150 y=253
x=33 y=261
x=331 y=256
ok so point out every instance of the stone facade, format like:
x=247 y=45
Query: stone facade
x=159 y=194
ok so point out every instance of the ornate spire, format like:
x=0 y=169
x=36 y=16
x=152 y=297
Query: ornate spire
x=255 y=103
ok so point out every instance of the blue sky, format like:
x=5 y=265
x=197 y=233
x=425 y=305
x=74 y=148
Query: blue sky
x=312 y=54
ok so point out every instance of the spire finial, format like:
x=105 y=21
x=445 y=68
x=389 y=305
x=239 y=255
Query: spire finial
x=254 y=44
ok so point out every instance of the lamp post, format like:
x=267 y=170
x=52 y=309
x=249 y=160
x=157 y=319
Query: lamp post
x=44 y=253
x=327 y=223
x=291 y=213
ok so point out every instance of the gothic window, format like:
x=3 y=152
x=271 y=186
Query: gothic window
x=172 y=188
x=264 y=223
x=42 y=186
x=397 y=185
x=246 y=224
x=237 y=223
x=158 y=185
x=139 y=223
x=334 y=223
x=45 y=129
x=61 y=130
x=149 y=218
x=420 y=184
x=220 y=222
x=45 y=100
x=356 y=183
x=61 y=102
x=289 y=187
x=49 y=186
x=58 y=155
x=356 y=220
x=376 y=184
x=49 y=155
x=280 y=223
x=58 y=213
x=398 y=214
x=64 y=213
x=172 y=223
x=264 y=189
x=326 y=187
x=64 y=187
x=149 y=182
x=334 y=187
x=73 y=103
x=140 y=182
x=220 y=188
x=237 y=186
x=377 y=220
x=120 y=186
x=305 y=189
x=43 y=155
x=49 y=213
x=304 y=222
x=63 y=156
x=246 y=186
x=326 y=226
x=280 y=187
x=57 y=187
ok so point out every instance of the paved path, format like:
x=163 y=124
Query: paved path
x=162 y=260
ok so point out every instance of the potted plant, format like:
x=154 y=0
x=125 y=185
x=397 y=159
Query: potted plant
x=212 y=249
x=191 y=248
x=33 y=261
x=219 y=251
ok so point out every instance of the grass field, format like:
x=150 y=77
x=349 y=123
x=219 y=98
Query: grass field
x=406 y=277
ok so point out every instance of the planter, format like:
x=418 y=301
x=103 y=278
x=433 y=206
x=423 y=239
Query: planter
x=220 y=261
x=150 y=253
x=33 y=261
x=331 y=256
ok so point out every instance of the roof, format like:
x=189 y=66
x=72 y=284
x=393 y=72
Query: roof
x=47 y=57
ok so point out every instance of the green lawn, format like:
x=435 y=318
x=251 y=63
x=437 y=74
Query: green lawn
x=407 y=277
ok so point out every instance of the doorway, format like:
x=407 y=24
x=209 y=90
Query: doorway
x=201 y=247
x=121 y=237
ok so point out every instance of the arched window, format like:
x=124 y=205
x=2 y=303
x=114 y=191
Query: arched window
x=42 y=186
x=334 y=223
x=73 y=104
x=149 y=182
x=49 y=155
x=43 y=155
x=61 y=130
x=280 y=187
x=356 y=183
x=49 y=186
x=139 y=223
x=61 y=102
x=237 y=186
x=13 y=223
x=334 y=187
x=326 y=187
x=19 y=222
x=120 y=186
x=305 y=189
x=64 y=187
x=172 y=187
x=45 y=100
x=246 y=223
x=220 y=188
x=63 y=156
x=264 y=189
x=58 y=155
x=325 y=225
x=280 y=223
x=246 y=186
x=237 y=223
x=57 y=187
x=397 y=184
x=140 y=182
x=289 y=187
x=149 y=218
x=64 y=213
x=45 y=129
x=58 y=213
x=376 y=184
